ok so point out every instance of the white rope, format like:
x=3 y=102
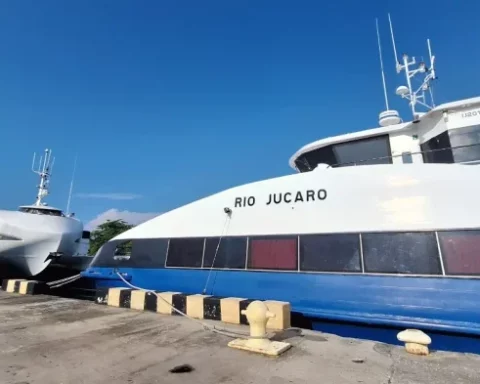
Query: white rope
x=227 y=221
x=62 y=282
x=205 y=326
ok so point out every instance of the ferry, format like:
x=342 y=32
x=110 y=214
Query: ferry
x=36 y=236
x=376 y=231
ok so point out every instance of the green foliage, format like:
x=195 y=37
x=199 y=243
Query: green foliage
x=105 y=232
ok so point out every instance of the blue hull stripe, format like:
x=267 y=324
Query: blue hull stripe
x=435 y=303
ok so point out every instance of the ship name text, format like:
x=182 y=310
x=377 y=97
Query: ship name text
x=283 y=198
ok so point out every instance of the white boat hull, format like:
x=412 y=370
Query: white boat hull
x=29 y=241
x=369 y=198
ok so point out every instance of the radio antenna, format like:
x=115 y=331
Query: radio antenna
x=389 y=116
x=381 y=66
x=397 y=63
x=71 y=184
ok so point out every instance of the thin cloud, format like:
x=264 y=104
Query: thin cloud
x=109 y=196
x=130 y=217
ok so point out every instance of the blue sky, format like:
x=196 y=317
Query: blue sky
x=169 y=101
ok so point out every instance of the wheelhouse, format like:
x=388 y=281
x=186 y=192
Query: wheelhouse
x=450 y=133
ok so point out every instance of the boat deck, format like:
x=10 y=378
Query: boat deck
x=45 y=339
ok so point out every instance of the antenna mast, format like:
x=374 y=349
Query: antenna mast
x=381 y=66
x=397 y=63
x=388 y=117
x=407 y=92
x=44 y=170
x=71 y=184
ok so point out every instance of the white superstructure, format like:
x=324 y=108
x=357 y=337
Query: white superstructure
x=399 y=178
x=35 y=234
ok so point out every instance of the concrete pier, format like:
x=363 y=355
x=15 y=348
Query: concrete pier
x=46 y=339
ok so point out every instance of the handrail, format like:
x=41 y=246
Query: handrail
x=305 y=161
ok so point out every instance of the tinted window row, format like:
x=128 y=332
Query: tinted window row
x=373 y=150
x=397 y=253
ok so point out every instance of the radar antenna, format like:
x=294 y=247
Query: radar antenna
x=415 y=96
x=387 y=117
x=44 y=170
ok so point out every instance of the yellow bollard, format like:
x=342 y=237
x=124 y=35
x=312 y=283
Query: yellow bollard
x=416 y=342
x=257 y=315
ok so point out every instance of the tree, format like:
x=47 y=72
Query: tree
x=106 y=232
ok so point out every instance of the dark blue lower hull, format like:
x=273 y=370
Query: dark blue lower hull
x=362 y=306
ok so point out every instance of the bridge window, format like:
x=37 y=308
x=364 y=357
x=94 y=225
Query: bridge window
x=273 y=253
x=460 y=145
x=460 y=252
x=375 y=150
x=438 y=149
x=232 y=252
x=330 y=253
x=468 y=139
x=185 y=253
x=405 y=253
x=372 y=150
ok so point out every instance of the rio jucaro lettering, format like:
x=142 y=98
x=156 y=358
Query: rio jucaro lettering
x=284 y=198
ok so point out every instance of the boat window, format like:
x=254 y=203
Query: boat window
x=8 y=237
x=232 y=252
x=137 y=253
x=310 y=160
x=86 y=235
x=406 y=253
x=330 y=253
x=42 y=211
x=105 y=255
x=460 y=252
x=437 y=149
x=123 y=248
x=185 y=253
x=52 y=212
x=469 y=139
x=373 y=150
x=273 y=253
x=458 y=145
x=148 y=253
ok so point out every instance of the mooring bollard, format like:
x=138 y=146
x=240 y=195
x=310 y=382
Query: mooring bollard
x=257 y=314
x=416 y=341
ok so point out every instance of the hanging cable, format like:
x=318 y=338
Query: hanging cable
x=225 y=225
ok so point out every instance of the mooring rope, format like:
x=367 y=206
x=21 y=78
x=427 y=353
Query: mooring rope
x=64 y=281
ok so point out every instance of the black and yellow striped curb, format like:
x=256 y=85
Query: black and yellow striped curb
x=24 y=287
x=225 y=309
